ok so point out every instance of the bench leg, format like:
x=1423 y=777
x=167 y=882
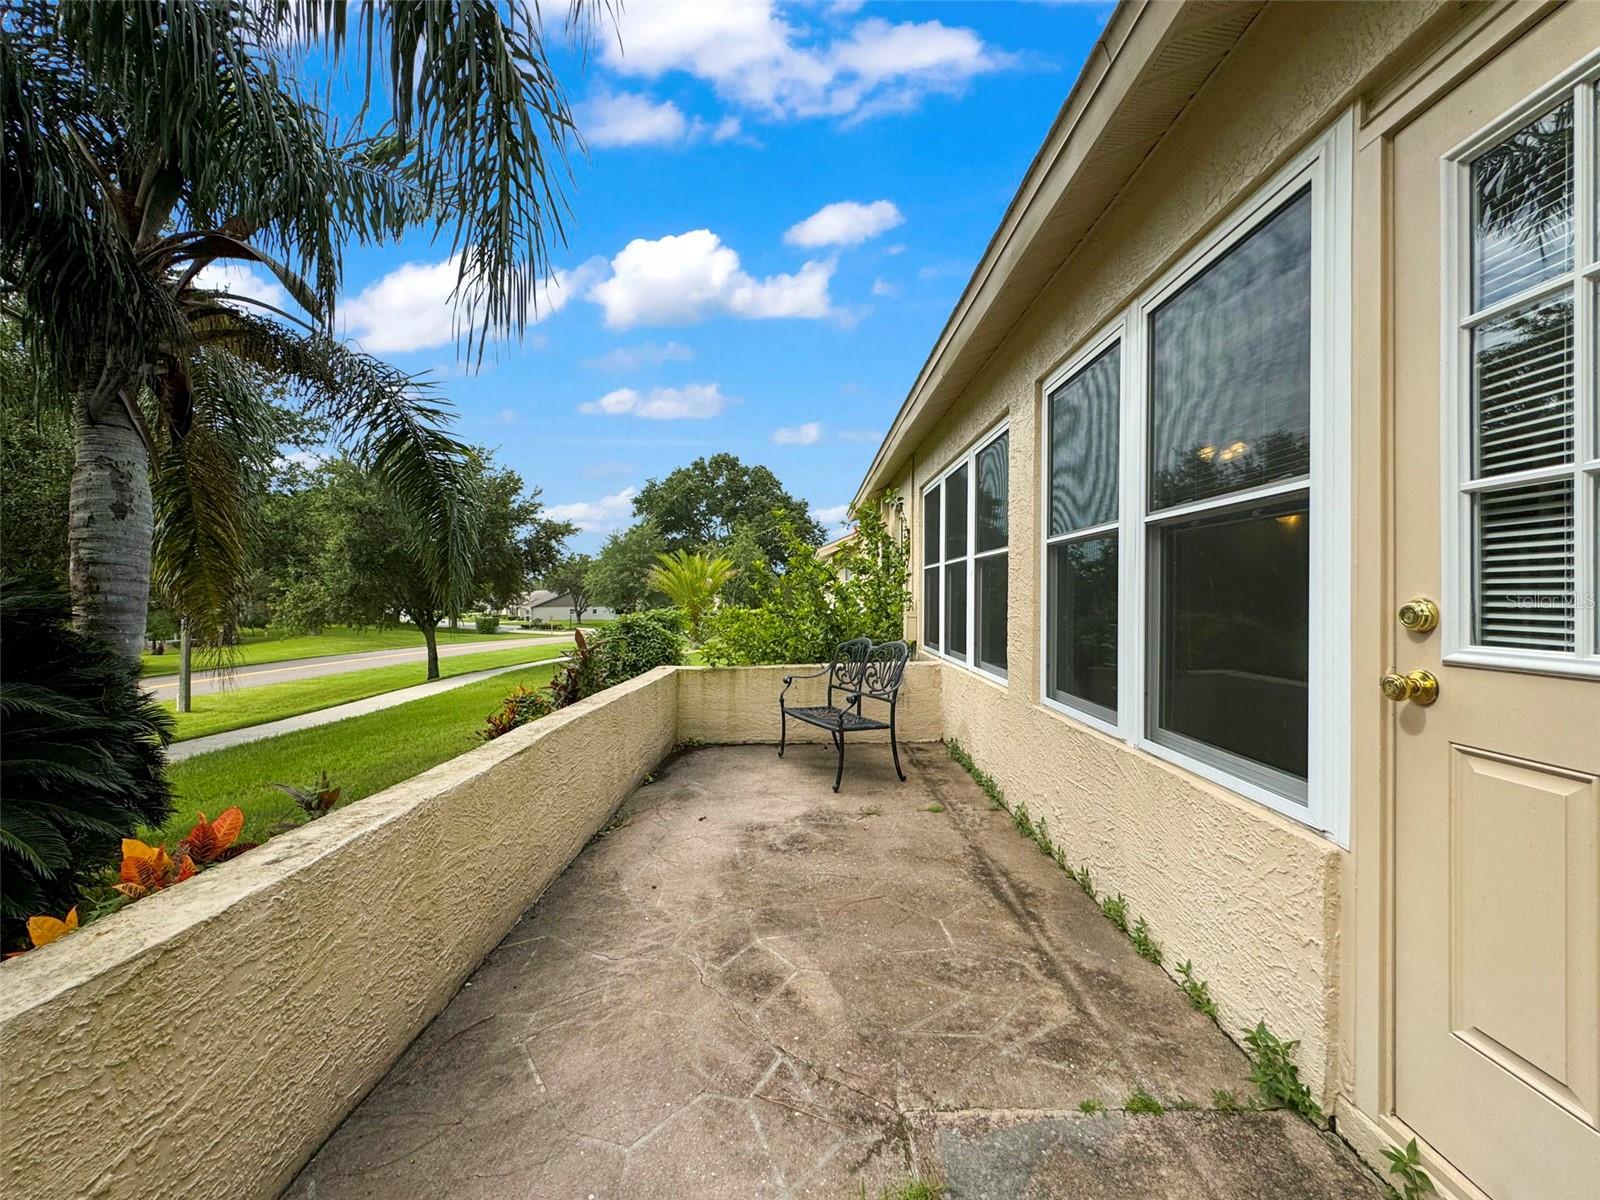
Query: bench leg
x=894 y=746
x=838 y=775
x=783 y=734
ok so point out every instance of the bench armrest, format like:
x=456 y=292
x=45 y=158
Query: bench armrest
x=788 y=680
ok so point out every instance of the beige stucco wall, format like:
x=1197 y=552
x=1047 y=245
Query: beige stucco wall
x=740 y=705
x=204 y=1042
x=1250 y=897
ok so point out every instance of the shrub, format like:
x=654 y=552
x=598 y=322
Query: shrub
x=82 y=766
x=486 y=623
x=668 y=617
x=808 y=607
x=635 y=643
x=521 y=706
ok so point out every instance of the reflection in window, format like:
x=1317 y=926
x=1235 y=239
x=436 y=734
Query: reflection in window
x=1084 y=414
x=1230 y=361
x=1234 y=628
x=1522 y=209
x=1083 y=623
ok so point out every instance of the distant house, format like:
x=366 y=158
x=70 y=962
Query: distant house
x=828 y=550
x=546 y=605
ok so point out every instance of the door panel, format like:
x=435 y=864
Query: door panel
x=1496 y=796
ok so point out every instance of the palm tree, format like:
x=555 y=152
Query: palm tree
x=691 y=581
x=142 y=143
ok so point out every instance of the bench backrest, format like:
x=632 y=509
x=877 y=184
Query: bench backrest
x=860 y=668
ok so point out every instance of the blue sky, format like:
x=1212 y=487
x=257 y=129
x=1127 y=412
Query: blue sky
x=780 y=205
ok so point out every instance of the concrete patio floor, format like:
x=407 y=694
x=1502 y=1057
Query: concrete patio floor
x=753 y=987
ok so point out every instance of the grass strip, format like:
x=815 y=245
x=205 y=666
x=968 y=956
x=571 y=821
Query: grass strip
x=218 y=712
x=256 y=648
x=363 y=755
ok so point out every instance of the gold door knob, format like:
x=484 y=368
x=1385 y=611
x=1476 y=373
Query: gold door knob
x=1420 y=687
x=1419 y=614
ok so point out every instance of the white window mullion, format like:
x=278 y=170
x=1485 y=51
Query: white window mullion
x=1132 y=543
x=1585 y=519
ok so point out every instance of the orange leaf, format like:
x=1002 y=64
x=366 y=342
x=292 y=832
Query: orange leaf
x=43 y=930
x=227 y=827
x=186 y=869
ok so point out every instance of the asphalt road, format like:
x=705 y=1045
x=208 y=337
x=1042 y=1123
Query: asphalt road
x=165 y=687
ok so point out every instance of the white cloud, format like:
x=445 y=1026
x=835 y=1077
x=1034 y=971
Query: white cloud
x=597 y=516
x=243 y=280
x=752 y=56
x=844 y=223
x=692 y=402
x=837 y=515
x=686 y=277
x=628 y=119
x=637 y=358
x=882 y=287
x=808 y=434
x=411 y=308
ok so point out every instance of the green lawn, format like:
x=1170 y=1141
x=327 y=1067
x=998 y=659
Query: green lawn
x=216 y=712
x=363 y=755
x=336 y=639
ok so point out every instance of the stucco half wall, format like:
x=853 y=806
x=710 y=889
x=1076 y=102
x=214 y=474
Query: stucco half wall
x=730 y=705
x=204 y=1042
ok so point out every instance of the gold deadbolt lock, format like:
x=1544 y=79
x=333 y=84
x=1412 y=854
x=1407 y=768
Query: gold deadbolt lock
x=1420 y=687
x=1419 y=615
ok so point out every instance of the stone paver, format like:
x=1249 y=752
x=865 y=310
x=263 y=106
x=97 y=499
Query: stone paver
x=758 y=988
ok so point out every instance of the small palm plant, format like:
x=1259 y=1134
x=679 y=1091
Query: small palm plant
x=691 y=581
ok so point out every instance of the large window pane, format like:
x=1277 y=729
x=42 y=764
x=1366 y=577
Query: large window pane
x=991 y=614
x=955 y=514
x=1522 y=209
x=1083 y=622
x=990 y=517
x=930 y=607
x=1526 y=568
x=1083 y=446
x=930 y=527
x=1522 y=388
x=1234 y=630
x=955 y=617
x=1230 y=362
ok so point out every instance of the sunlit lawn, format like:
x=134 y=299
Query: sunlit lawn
x=217 y=712
x=336 y=639
x=364 y=755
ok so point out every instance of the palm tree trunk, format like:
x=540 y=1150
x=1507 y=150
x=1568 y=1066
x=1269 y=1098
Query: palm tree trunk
x=430 y=634
x=109 y=526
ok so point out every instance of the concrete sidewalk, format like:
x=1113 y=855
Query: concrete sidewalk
x=179 y=751
x=752 y=987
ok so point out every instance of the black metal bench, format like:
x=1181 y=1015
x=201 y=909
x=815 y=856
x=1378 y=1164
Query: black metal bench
x=860 y=670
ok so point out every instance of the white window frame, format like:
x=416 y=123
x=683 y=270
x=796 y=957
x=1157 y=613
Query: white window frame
x=1326 y=164
x=1458 y=551
x=1114 y=334
x=967 y=458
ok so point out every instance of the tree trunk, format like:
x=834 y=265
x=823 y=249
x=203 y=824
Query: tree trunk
x=110 y=523
x=431 y=636
x=185 y=668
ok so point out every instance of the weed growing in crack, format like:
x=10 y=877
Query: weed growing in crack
x=1092 y=1107
x=915 y=1189
x=1116 y=910
x=1083 y=879
x=1274 y=1073
x=985 y=781
x=1226 y=1101
x=1407 y=1166
x=1042 y=840
x=1198 y=991
x=934 y=807
x=1146 y=946
x=1142 y=1102
x=1182 y=1104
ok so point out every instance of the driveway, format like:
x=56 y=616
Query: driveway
x=752 y=987
x=165 y=687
